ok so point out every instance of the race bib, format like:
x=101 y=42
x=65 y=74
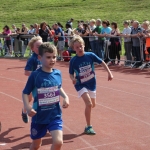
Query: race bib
x=86 y=73
x=48 y=96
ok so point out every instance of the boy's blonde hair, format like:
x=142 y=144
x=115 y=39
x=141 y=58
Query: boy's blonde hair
x=33 y=40
x=76 y=38
x=47 y=47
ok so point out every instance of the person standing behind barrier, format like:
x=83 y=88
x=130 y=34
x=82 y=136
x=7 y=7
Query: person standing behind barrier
x=82 y=75
x=136 y=51
x=127 y=43
x=92 y=39
x=24 y=30
x=145 y=34
x=105 y=30
x=44 y=31
x=7 y=31
x=14 y=29
x=61 y=40
x=33 y=64
x=84 y=34
x=115 y=46
x=100 y=40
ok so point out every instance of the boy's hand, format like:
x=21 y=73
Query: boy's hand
x=110 y=77
x=31 y=112
x=66 y=102
x=74 y=81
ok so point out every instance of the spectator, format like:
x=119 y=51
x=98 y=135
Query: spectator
x=36 y=26
x=135 y=33
x=61 y=40
x=24 y=30
x=105 y=30
x=31 y=30
x=44 y=31
x=70 y=22
x=7 y=31
x=92 y=39
x=68 y=33
x=99 y=42
x=115 y=46
x=145 y=34
x=127 y=42
x=84 y=34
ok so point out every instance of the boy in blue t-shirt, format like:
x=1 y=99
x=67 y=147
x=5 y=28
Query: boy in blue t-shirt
x=33 y=63
x=46 y=86
x=82 y=65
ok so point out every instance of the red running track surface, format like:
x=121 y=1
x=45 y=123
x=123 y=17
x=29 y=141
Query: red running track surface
x=120 y=119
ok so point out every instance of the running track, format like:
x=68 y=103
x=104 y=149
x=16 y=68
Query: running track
x=121 y=117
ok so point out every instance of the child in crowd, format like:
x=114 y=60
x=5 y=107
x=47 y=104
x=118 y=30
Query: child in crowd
x=33 y=63
x=85 y=82
x=46 y=85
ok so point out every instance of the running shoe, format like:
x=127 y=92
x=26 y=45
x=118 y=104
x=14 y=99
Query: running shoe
x=89 y=130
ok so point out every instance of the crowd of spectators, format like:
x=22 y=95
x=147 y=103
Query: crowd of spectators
x=95 y=33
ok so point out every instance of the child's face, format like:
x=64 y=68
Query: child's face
x=48 y=60
x=36 y=46
x=79 y=48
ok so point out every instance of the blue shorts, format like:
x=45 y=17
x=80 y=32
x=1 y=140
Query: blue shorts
x=39 y=130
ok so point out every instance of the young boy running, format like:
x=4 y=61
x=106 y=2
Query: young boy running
x=46 y=85
x=82 y=65
x=33 y=63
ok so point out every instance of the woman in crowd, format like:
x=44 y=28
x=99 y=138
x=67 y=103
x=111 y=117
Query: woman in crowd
x=115 y=46
x=44 y=31
x=7 y=31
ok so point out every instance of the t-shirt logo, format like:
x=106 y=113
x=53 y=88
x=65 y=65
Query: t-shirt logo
x=86 y=73
x=48 y=96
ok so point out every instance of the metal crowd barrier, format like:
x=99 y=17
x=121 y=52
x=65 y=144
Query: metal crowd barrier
x=106 y=48
x=16 y=42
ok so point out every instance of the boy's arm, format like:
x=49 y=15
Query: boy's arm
x=31 y=112
x=110 y=76
x=66 y=98
x=27 y=73
x=73 y=78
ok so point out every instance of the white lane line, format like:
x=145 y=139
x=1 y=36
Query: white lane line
x=116 y=79
x=12 y=79
x=109 y=107
x=123 y=91
x=64 y=125
x=101 y=145
x=97 y=85
x=11 y=96
x=82 y=139
x=117 y=111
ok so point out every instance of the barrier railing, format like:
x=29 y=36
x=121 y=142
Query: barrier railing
x=109 y=48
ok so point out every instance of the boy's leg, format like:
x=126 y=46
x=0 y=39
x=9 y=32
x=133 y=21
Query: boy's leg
x=36 y=144
x=93 y=102
x=88 y=106
x=57 y=138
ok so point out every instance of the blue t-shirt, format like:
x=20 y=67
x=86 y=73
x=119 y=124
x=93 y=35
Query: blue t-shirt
x=33 y=63
x=45 y=88
x=59 y=30
x=106 y=30
x=83 y=67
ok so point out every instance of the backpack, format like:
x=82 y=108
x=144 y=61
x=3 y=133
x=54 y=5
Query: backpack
x=66 y=56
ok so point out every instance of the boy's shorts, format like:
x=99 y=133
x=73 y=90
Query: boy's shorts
x=39 y=130
x=61 y=45
x=92 y=94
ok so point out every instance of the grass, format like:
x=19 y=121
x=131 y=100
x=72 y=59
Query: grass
x=51 y=11
x=35 y=11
